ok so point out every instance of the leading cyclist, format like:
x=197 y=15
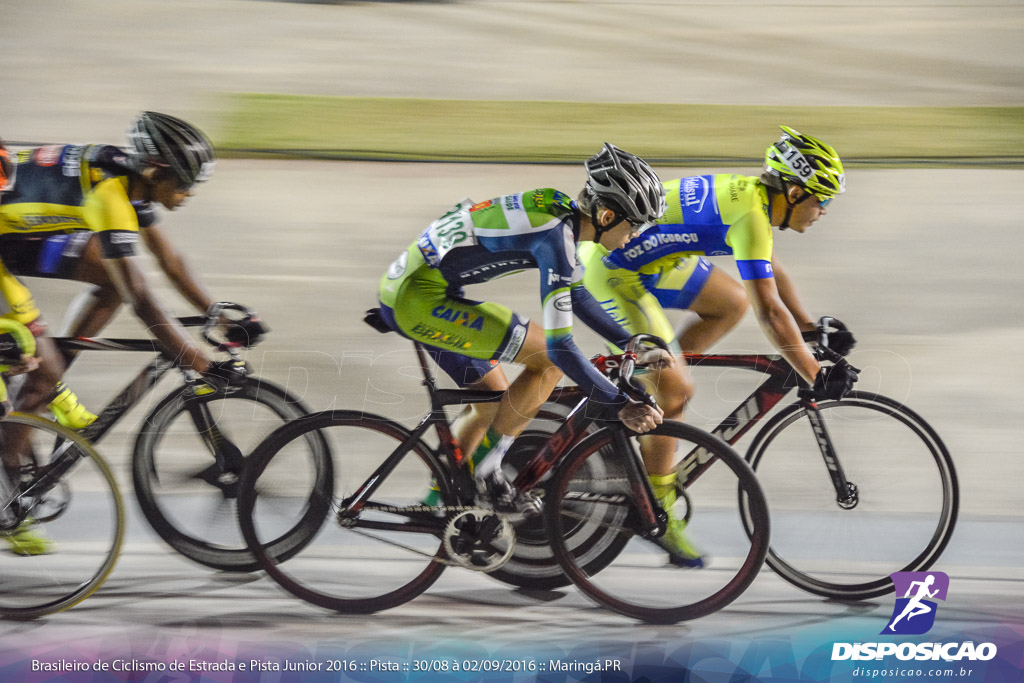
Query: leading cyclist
x=724 y=214
x=422 y=297
x=77 y=212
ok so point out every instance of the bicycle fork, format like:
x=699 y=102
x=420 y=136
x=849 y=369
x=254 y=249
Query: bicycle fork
x=846 y=491
x=653 y=518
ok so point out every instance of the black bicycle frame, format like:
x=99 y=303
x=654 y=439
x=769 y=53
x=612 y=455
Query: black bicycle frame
x=567 y=435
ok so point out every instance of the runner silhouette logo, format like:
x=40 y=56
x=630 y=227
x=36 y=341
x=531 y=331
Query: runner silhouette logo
x=914 y=613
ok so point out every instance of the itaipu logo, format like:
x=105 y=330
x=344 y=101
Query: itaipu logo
x=914 y=613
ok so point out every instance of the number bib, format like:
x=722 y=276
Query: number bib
x=453 y=229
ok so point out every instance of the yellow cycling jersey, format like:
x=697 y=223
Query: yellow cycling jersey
x=68 y=188
x=709 y=215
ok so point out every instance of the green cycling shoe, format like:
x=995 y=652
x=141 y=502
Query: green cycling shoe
x=681 y=552
x=29 y=539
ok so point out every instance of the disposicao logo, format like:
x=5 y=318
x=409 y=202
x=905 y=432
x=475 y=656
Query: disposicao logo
x=914 y=614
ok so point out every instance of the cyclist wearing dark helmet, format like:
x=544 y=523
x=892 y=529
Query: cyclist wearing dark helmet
x=668 y=268
x=422 y=297
x=77 y=212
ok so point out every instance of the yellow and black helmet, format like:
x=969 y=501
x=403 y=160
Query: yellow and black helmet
x=806 y=161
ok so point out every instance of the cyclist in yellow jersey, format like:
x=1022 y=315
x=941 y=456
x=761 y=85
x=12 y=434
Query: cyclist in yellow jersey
x=77 y=212
x=666 y=267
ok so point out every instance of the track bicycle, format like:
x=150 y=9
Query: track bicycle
x=190 y=449
x=71 y=498
x=858 y=488
x=379 y=546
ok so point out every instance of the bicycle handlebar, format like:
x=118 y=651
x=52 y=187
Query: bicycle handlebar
x=824 y=325
x=629 y=359
x=212 y=319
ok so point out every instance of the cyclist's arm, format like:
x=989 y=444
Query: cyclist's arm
x=108 y=212
x=130 y=280
x=586 y=308
x=787 y=291
x=556 y=260
x=779 y=325
x=751 y=240
x=177 y=269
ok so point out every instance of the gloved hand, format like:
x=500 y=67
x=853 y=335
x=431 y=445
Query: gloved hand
x=835 y=381
x=245 y=332
x=226 y=373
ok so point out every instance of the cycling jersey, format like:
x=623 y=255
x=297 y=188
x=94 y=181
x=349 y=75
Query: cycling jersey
x=422 y=291
x=66 y=188
x=665 y=267
x=710 y=215
x=57 y=197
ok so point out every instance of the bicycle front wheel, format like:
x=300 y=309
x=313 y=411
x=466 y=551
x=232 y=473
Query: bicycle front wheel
x=187 y=464
x=904 y=500
x=639 y=581
x=61 y=535
x=381 y=556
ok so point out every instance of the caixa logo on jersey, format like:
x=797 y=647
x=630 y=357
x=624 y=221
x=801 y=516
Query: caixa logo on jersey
x=914 y=614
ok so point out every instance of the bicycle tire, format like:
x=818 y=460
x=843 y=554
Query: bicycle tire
x=335 y=562
x=635 y=584
x=170 y=457
x=861 y=573
x=37 y=585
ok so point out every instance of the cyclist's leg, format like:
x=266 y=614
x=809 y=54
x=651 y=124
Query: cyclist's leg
x=625 y=295
x=57 y=257
x=92 y=309
x=471 y=425
x=694 y=284
x=417 y=302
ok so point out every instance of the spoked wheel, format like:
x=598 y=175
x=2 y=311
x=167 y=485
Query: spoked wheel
x=188 y=462
x=897 y=516
x=60 y=535
x=379 y=556
x=639 y=581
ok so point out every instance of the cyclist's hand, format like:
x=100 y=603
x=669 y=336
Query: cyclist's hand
x=656 y=359
x=226 y=373
x=245 y=332
x=835 y=381
x=640 y=417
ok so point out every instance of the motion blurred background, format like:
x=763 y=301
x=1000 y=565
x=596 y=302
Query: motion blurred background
x=339 y=125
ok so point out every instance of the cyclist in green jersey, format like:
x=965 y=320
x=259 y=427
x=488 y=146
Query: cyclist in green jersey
x=667 y=268
x=422 y=298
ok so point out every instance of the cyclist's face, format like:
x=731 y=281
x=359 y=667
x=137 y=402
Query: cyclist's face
x=617 y=237
x=170 y=193
x=807 y=210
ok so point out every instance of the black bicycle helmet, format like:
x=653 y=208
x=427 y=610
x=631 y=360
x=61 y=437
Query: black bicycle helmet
x=168 y=141
x=625 y=181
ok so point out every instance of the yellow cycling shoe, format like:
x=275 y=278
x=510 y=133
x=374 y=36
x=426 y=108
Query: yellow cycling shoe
x=68 y=411
x=681 y=552
x=29 y=539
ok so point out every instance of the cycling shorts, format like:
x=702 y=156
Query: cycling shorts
x=636 y=300
x=419 y=304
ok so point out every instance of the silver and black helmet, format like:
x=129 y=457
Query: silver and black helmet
x=625 y=181
x=166 y=140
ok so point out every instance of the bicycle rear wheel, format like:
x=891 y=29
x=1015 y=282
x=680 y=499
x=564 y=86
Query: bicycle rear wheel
x=639 y=582
x=387 y=554
x=904 y=510
x=78 y=522
x=187 y=464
